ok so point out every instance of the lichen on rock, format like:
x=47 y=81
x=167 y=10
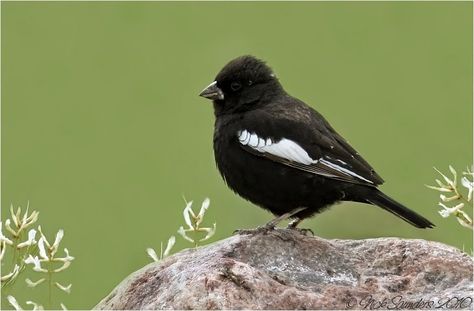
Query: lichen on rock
x=283 y=269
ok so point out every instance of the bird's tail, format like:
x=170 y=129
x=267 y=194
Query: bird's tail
x=382 y=200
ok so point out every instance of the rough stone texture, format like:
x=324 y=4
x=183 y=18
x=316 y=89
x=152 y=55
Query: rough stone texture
x=284 y=269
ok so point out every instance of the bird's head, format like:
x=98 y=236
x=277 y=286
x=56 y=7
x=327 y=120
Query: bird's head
x=245 y=83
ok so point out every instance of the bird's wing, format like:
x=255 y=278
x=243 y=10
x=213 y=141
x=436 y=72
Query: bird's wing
x=311 y=146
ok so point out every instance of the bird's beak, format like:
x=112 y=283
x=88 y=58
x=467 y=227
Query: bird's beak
x=212 y=92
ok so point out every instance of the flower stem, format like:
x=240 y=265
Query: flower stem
x=50 y=285
x=15 y=243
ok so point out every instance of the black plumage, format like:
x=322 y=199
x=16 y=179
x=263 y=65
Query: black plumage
x=277 y=152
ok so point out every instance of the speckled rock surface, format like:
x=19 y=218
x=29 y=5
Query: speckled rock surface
x=286 y=270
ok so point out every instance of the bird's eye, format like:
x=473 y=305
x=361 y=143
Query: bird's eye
x=235 y=86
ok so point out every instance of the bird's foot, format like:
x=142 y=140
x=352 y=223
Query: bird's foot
x=272 y=224
x=259 y=230
x=304 y=231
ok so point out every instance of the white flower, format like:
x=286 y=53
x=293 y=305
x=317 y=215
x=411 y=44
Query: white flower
x=190 y=217
x=169 y=246
x=59 y=237
x=9 y=228
x=36 y=263
x=67 y=258
x=193 y=222
x=451 y=184
x=202 y=211
x=48 y=251
x=464 y=219
x=14 y=303
x=469 y=185
x=63 y=307
x=455 y=196
x=3 y=238
x=447 y=211
x=15 y=216
x=36 y=307
x=31 y=239
x=44 y=237
x=65 y=265
x=455 y=176
x=448 y=199
x=30 y=283
x=3 y=248
x=152 y=254
x=42 y=249
x=440 y=189
x=32 y=219
x=188 y=213
x=182 y=232
x=26 y=213
x=469 y=172
x=25 y=221
x=210 y=233
x=11 y=275
x=66 y=289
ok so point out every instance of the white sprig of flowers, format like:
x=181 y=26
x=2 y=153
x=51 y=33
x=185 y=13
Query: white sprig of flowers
x=31 y=252
x=450 y=186
x=193 y=222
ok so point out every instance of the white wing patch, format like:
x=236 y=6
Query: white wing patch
x=290 y=150
x=342 y=169
x=337 y=160
x=284 y=148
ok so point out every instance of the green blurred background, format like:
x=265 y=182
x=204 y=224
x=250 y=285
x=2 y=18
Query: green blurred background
x=103 y=131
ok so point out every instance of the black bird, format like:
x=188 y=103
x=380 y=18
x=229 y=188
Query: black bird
x=277 y=152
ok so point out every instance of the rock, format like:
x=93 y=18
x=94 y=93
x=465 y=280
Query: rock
x=284 y=269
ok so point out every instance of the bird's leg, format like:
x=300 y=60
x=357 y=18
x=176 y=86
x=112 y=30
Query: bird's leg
x=295 y=222
x=271 y=224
